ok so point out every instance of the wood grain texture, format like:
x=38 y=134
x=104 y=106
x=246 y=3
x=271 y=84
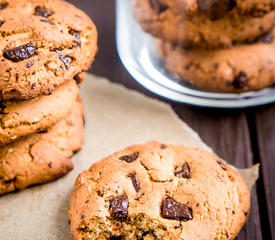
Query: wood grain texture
x=266 y=139
x=225 y=131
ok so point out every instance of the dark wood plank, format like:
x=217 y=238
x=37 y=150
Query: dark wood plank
x=266 y=139
x=226 y=132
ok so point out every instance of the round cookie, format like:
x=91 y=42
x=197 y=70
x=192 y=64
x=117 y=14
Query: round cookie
x=190 y=27
x=242 y=68
x=43 y=44
x=159 y=191
x=44 y=156
x=21 y=118
x=216 y=9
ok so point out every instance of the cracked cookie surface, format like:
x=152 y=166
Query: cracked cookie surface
x=159 y=191
x=242 y=68
x=44 y=156
x=22 y=118
x=43 y=44
x=182 y=22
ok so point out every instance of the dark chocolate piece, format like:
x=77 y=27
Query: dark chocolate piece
x=77 y=36
x=267 y=38
x=135 y=181
x=20 y=53
x=171 y=209
x=240 y=81
x=215 y=9
x=43 y=12
x=29 y=64
x=119 y=208
x=162 y=146
x=3 y=5
x=67 y=60
x=77 y=79
x=129 y=158
x=184 y=172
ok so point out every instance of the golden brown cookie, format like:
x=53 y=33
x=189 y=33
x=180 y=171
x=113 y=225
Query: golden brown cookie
x=43 y=44
x=159 y=191
x=242 y=68
x=21 y=118
x=44 y=156
x=182 y=22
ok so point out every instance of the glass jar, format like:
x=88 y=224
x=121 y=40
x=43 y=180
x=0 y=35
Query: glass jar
x=151 y=59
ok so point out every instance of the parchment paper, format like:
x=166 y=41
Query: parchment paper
x=115 y=118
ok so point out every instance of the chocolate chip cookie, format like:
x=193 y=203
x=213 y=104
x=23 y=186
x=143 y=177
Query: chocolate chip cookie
x=159 y=191
x=43 y=44
x=205 y=23
x=44 y=156
x=21 y=118
x=242 y=68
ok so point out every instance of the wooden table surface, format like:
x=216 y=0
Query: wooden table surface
x=242 y=137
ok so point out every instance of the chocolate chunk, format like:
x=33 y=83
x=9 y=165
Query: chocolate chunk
x=222 y=165
x=77 y=36
x=267 y=38
x=2 y=108
x=43 y=12
x=50 y=165
x=129 y=158
x=158 y=6
x=226 y=234
x=215 y=9
x=171 y=209
x=82 y=216
x=43 y=131
x=116 y=238
x=119 y=208
x=184 y=172
x=20 y=53
x=29 y=64
x=77 y=79
x=67 y=60
x=162 y=146
x=1 y=23
x=46 y=21
x=135 y=181
x=3 y=5
x=76 y=151
x=240 y=81
x=9 y=181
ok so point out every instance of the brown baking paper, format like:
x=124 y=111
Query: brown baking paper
x=115 y=118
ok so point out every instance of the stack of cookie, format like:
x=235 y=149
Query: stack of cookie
x=45 y=47
x=217 y=45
